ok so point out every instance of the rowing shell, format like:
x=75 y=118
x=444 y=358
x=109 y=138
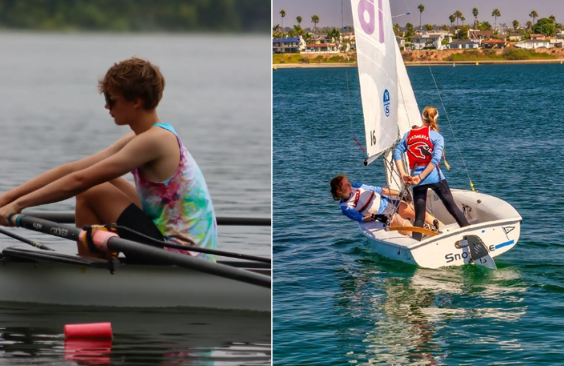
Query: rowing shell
x=35 y=276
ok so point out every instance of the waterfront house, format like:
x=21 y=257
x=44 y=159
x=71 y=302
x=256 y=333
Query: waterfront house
x=465 y=45
x=515 y=37
x=479 y=36
x=400 y=41
x=532 y=44
x=537 y=37
x=322 y=48
x=494 y=43
x=288 y=45
x=429 y=41
x=554 y=41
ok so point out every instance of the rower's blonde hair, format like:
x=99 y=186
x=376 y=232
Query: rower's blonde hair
x=430 y=115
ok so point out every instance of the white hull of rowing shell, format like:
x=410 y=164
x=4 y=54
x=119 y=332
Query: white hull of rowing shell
x=493 y=220
x=130 y=286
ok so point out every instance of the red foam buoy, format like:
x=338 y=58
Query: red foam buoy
x=89 y=330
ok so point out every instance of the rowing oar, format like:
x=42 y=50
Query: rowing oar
x=25 y=240
x=199 y=249
x=117 y=244
x=68 y=218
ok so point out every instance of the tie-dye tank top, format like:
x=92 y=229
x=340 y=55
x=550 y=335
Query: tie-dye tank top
x=181 y=206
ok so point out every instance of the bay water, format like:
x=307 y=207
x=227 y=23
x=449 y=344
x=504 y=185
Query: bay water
x=336 y=302
x=217 y=96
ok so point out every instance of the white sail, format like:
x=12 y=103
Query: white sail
x=408 y=111
x=376 y=55
x=408 y=116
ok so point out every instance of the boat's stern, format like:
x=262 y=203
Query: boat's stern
x=450 y=248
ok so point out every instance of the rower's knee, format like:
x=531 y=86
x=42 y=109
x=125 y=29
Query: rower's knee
x=91 y=194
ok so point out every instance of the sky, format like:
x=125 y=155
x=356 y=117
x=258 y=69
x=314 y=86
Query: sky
x=436 y=11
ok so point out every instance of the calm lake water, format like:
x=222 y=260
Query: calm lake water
x=336 y=302
x=217 y=96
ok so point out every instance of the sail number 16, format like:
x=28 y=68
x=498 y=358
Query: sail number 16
x=372 y=137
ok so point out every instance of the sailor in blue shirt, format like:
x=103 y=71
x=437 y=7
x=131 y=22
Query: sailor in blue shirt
x=424 y=147
x=360 y=202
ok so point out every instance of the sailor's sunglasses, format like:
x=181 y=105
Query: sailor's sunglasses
x=110 y=100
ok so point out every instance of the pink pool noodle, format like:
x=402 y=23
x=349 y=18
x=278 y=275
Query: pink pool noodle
x=89 y=330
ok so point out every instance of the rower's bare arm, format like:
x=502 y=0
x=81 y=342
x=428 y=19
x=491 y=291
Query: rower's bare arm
x=58 y=174
x=62 y=171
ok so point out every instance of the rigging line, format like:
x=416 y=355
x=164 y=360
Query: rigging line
x=389 y=166
x=450 y=126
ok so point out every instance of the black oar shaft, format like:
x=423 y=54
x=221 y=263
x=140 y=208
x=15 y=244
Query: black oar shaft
x=157 y=254
x=24 y=240
x=68 y=218
x=197 y=248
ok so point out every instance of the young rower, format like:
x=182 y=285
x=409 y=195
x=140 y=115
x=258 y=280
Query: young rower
x=170 y=200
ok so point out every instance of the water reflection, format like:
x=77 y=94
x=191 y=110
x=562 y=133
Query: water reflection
x=412 y=316
x=141 y=336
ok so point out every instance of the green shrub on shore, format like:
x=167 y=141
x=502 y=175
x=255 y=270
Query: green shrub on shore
x=297 y=58
x=509 y=53
x=287 y=58
x=520 y=54
x=474 y=55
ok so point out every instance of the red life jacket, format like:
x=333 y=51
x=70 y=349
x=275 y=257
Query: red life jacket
x=419 y=146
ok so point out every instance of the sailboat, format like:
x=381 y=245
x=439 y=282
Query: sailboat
x=390 y=110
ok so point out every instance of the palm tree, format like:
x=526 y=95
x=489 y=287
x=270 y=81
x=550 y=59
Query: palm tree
x=458 y=15
x=496 y=13
x=314 y=20
x=282 y=15
x=475 y=14
x=529 y=25
x=515 y=25
x=534 y=15
x=452 y=18
x=462 y=19
x=397 y=29
x=276 y=31
x=552 y=19
x=421 y=8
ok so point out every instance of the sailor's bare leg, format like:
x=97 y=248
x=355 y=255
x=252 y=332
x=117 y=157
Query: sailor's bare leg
x=400 y=221
x=407 y=210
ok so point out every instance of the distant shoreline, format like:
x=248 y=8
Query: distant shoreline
x=424 y=58
x=425 y=63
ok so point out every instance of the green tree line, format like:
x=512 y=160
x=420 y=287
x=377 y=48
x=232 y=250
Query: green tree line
x=137 y=15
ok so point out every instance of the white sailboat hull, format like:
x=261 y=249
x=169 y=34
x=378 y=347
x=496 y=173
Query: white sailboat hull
x=130 y=286
x=491 y=219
